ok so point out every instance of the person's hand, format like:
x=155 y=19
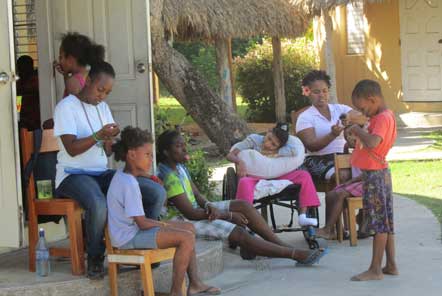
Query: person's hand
x=337 y=129
x=108 y=132
x=239 y=219
x=57 y=67
x=352 y=130
x=213 y=212
x=242 y=170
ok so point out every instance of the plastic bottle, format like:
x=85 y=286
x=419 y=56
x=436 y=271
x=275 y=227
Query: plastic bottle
x=42 y=255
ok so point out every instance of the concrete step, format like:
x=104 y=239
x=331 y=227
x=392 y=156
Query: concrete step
x=421 y=119
x=16 y=280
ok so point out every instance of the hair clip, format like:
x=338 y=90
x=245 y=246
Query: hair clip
x=284 y=127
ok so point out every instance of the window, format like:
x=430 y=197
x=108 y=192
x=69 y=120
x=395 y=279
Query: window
x=25 y=29
x=355 y=28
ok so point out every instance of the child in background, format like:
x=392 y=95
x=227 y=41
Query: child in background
x=225 y=220
x=77 y=53
x=276 y=143
x=352 y=188
x=128 y=226
x=370 y=156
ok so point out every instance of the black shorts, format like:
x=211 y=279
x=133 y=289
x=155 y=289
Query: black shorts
x=319 y=165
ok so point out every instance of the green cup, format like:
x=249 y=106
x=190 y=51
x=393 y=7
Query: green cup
x=44 y=188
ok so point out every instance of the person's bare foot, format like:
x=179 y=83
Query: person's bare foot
x=367 y=276
x=390 y=270
x=325 y=233
x=202 y=289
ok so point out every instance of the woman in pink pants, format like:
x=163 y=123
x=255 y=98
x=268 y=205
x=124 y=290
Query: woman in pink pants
x=276 y=143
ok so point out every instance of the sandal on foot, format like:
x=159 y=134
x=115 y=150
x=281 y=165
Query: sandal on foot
x=313 y=258
x=208 y=291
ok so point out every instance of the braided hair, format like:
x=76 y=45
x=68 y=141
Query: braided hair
x=131 y=138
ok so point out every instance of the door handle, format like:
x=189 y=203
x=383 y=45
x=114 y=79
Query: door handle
x=141 y=67
x=4 y=78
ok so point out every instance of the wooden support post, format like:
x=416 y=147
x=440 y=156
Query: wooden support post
x=156 y=88
x=329 y=56
x=232 y=77
x=278 y=79
x=223 y=69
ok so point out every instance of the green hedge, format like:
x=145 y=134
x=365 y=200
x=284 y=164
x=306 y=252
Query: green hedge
x=254 y=78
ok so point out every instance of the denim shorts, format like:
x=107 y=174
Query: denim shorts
x=144 y=239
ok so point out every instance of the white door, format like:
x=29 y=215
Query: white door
x=421 y=46
x=10 y=203
x=121 y=27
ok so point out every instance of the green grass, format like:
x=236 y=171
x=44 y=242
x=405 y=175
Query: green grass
x=437 y=136
x=177 y=115
x=420 y=181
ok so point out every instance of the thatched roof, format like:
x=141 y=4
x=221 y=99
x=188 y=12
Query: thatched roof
x=314 y=6
x=210 y=19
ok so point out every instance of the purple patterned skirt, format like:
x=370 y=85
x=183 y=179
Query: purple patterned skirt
x=378 y=200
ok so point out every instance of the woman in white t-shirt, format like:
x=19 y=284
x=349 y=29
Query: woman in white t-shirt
x=85 y=129
x=319 y=126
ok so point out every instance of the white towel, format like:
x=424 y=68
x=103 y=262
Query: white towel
x=270 y=187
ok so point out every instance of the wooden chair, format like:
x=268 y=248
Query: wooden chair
x=323 y=185
x=55 y=206
x=351 y=204
x=143 y=258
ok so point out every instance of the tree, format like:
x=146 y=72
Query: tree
x=183 y=81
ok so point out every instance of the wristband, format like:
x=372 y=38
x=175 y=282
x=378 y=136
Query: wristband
x=95 y=137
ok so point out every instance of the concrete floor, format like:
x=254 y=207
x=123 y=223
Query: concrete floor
x=419 y=257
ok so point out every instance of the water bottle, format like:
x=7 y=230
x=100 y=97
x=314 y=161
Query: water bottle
x=42 y=255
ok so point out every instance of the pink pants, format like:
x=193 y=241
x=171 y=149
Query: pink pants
x=307 y=195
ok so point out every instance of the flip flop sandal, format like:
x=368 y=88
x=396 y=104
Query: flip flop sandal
x=313 y=258
x=208 y=291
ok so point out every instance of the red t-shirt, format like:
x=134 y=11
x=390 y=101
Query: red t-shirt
x=384 y=126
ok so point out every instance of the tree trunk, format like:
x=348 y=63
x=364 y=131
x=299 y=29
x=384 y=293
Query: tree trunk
x=223 y=69
x=278 y=81
x=329 y=56
x=181 y=79
x=232 y=78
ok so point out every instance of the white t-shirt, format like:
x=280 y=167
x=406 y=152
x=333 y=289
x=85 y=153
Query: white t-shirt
x=123 y=203
x=313 y=118
x=70 y=119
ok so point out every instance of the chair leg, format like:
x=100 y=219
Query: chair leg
x=264 y=213
x=352 y=224
x=146 y=277
x=340 y=229
x=113 y=278
x=76 y=241
x=33 y=238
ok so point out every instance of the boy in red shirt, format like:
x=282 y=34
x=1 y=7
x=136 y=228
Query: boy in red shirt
x=370 y=156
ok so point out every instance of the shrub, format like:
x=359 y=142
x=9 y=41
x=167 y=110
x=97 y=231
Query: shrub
x=201 y=173
x=162 y=122
x=203 y=57
x=254 y=78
